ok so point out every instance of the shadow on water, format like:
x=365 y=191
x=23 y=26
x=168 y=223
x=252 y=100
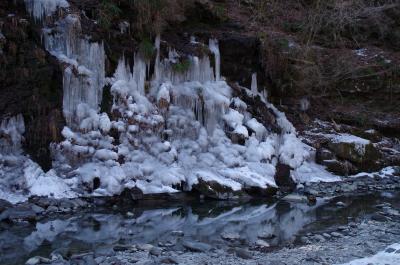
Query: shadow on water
x=278 y=223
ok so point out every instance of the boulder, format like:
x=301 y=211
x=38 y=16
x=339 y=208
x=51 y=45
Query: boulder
x=365 y=156
x=215 y=190
x=342 y=168
x=131 y=194
x=283 y=177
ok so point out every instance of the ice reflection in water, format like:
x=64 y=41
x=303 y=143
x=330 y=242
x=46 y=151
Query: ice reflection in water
x=204 y=222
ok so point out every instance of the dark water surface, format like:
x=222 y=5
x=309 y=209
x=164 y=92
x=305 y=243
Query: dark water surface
x=281 y=223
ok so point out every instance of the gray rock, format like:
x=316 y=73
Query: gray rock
x=155 y=251
x=243 y=253
x=378 y=217
x=22 y=212
x=319 y=238
x=177 y=233
x=144 y=247
x=196 y=246
x=168 y=260
x=37 y=260
x=336 y=234
x=37 y=209
x=230 y=236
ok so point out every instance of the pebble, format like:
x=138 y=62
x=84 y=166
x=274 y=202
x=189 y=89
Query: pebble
x=168 y=260
x=230 y=236
x=196 y=246
x=336 y=234
x=262 y=243
x=341 y=204
x=326 y=235
x=144 y=247
x=177 y=233
x=319 y=238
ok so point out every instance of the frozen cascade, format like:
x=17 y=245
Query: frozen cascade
x=213 y=45
x=84 y=76
x=11 y=131
x=254 y=87
x=40 y=9
x=180 y=131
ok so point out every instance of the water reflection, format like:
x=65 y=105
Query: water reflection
x=279 y=222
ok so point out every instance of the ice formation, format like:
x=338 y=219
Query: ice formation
x=40 y=9
x=84 y=74
x=180 y=131
x=165 y=132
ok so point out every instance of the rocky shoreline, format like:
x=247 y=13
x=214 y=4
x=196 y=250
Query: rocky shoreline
x=358 y=237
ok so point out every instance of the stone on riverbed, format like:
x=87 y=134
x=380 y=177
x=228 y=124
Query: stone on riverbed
x=196 y=246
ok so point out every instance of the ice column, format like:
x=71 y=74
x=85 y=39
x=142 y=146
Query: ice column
x=84 y=75
x=40 y=9
x=213 y=46
x=254 y=88
x=11 y=131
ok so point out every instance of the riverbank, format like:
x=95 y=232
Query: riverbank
x=333 y=230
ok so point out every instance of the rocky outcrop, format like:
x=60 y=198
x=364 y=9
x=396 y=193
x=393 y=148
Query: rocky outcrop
x=31 y=82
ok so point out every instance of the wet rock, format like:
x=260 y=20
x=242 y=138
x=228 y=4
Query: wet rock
x=131 y=194
x=283 y=177
x=243 y=253
x=196 y=246
x=215 y=190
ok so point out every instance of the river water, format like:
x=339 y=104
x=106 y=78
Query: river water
x=279 y=223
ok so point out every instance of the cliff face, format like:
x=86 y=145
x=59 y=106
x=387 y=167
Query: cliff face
x=352 y=68
x=30 y=81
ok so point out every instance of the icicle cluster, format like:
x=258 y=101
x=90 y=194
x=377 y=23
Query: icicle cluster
x=40 y=9
x=11 y=135
x=84 y=75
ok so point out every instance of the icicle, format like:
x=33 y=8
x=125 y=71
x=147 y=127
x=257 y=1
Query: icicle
x=40 y=9
x=254 y=88
x=11 y=135
x=213 y=46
